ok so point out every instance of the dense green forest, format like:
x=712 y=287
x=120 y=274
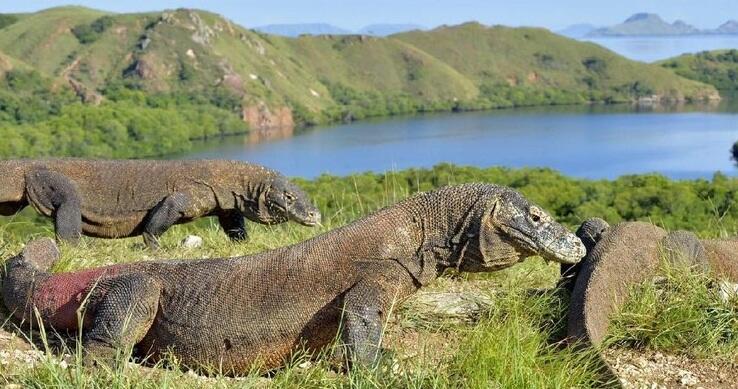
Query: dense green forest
x=36 y=120
x=705 y=206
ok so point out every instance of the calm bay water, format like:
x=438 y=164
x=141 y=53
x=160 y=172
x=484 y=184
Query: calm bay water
x=650 y=49
x=591 y=142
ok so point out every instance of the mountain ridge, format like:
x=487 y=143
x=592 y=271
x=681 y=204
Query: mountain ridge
x=651 y=24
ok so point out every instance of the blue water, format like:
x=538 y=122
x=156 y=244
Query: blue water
x=591 y=142
x=650 y=49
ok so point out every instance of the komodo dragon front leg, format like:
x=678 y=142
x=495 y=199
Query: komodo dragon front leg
x=55 y=195
x=366 y=307
x=124 y=307
x=234 y=225
x=172 y=209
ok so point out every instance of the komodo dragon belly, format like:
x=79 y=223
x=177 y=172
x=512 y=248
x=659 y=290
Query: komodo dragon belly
x=240 y=337
x=58 y=298
x=118 y=225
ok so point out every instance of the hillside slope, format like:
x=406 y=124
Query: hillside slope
x=539 y=59
x=184 y=60
x=718 y=68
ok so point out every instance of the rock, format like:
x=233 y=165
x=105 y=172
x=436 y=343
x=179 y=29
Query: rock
x=727 y=290
x=454 y=305
x=686 y=378
x=192 y=242
x=260 y=117
x=144 y=43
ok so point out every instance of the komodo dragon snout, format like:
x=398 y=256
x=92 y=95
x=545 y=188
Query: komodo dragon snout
x=513 y=229
x=284 y=201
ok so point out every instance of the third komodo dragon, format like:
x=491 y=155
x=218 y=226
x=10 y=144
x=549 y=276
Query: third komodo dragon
x=117 y=199
x=233 y=314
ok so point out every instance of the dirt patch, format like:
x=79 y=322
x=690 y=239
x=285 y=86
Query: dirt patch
x=649 y=369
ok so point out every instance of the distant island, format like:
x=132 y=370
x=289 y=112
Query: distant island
x=647 y=24
x=297 y=29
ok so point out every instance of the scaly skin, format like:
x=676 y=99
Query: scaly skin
x=627 y=255
x=255 y=311
x=590 y=232
x=117 y=199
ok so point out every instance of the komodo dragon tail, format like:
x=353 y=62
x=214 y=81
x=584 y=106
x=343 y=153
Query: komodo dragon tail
x=23 y=271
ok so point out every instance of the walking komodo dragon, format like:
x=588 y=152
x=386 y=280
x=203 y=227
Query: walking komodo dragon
x=234 y=314
x=116 y=199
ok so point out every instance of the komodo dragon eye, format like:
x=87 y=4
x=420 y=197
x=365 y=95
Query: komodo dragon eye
x=537 y=215
x=289 y=197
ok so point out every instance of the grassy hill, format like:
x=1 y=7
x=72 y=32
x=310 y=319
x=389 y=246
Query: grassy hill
x=718 y=68
x=538 y=59
x=150 y=67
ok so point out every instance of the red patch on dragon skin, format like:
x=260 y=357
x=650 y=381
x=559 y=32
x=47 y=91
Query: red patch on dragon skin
x=58 y=297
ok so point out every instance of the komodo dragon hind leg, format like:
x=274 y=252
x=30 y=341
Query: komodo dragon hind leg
x=122 y=316
x=167 y=213
x=234 y=225
x=55 y=194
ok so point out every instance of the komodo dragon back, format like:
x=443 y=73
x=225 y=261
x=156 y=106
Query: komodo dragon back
x=626 y=255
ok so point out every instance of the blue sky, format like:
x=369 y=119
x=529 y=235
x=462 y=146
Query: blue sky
x=353 y=14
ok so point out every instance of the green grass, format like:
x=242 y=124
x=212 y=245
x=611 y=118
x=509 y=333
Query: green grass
x=682 y=313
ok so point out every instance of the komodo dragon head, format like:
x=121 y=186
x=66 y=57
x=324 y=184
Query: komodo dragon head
x=284 y=201
x=513 y=229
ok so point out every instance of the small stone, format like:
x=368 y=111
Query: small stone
x=192 y=242
x=642 y=362
x=686 y=378
x=305 y=365
x=728 y=291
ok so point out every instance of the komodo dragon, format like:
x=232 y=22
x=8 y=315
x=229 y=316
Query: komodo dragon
x=234 y=314
x=590 y=232
x=116 y=199
x=629 y=254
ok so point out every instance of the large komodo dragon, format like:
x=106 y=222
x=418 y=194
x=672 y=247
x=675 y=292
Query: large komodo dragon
x=232 y=314
x=629 y=254
x=116 y=199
